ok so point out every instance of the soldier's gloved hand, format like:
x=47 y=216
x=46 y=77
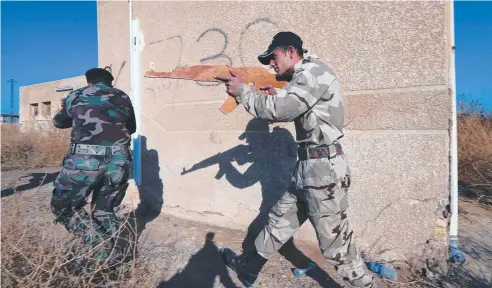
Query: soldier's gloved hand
x=268 y=89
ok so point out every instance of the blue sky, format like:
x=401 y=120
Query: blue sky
x=46 y=41
x=473 y=41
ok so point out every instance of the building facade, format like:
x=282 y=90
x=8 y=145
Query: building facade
x=393 y=59
x=40 y=102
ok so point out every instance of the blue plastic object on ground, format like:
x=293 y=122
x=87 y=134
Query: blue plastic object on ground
x=455 y=254
x=299 y=272
x=384 y=271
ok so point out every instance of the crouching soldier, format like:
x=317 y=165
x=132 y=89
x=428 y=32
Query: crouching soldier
x=98 y=160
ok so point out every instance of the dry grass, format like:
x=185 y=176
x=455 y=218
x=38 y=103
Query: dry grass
x=475 y=152
x=33 y=145
x=34 y=255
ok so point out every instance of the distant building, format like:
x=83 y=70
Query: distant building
x=40 y=102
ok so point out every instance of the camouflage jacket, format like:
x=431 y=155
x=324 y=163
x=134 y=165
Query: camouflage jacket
x=312 y=99
x=98 y=115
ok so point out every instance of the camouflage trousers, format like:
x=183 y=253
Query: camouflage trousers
x=319 y=192
x=106 y=177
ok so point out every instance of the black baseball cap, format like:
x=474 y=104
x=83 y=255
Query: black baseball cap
x=285 y=38
x=98 y=74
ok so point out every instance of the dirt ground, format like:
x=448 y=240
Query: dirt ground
x=182 y=253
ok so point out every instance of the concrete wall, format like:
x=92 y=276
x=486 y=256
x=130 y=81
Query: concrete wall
x=44 y=92
x=392 y=59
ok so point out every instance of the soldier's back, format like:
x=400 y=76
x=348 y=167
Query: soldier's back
x=100 y=114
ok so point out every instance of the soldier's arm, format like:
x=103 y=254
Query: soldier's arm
x=131 y=123
x=294 y=99
x=62 y=118
x=238 y=180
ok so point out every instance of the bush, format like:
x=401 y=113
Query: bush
x=33 y=145
x=475 y=153
x=34 y=255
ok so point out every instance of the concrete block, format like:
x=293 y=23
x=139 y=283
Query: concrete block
x=399 y=228
x=425 y=109
x=414 y=110
x=380 y=178
x=201 y=117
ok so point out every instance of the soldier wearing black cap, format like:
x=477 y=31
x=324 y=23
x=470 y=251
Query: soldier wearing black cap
x=320 y=181
x=98 y=160
x=96 y=75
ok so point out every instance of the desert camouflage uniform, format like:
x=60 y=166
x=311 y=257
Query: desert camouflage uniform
x=102 y=121
x=319 y=187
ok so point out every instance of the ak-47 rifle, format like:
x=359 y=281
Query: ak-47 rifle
x=239 y=154
x=257 y=76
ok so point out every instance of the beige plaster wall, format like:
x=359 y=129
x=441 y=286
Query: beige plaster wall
x=392 y=59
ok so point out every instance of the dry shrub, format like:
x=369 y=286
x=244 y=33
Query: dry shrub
x=475 y=153
x=34 y=256
x=33 y=145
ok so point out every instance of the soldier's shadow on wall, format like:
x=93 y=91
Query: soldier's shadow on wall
x=271 y=157
x=151 y=200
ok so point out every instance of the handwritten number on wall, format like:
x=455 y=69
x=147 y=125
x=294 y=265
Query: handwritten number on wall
x=219 y=55
x=246 y=28
x=180 y=46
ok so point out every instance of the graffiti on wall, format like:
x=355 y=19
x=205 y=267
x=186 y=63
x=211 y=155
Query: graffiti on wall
x=214 y=37
x=212 y=45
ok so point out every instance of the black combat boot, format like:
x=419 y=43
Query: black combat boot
x=246 y=267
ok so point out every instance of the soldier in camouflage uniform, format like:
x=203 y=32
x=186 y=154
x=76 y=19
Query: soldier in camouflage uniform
x=98 y=159
x=321 y=178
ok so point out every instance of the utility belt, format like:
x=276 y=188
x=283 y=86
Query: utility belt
x=317 y=152
x=98 y=149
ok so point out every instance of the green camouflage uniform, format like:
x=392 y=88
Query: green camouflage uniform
x=102 y=121
x=319 y=187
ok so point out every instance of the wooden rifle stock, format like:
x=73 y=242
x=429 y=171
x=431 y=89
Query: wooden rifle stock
x=256 y=76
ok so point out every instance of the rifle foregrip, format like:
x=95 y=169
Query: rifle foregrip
x=229 y=105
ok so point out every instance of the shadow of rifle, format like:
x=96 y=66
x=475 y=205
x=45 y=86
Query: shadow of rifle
x=241 y=154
